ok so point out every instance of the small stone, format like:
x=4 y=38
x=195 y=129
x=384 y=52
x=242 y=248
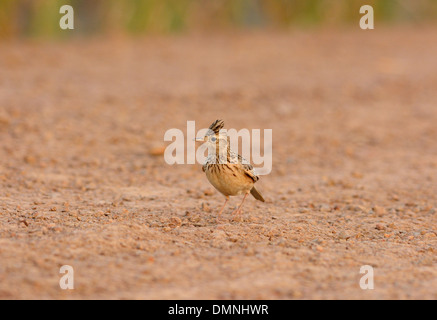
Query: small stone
x=205 y=207
x=233 y=239
x=249 y=251
x=379 y=227
x=356 y=174
x=208 y=192
x=29 y=159
x=253 y=219
x=282 y=242
x=379 y=210
x=4 y=120
x=237 y=218
x=343 y=235
x=175 y=222
x=360 y=209
x=324 y=207
x=157 y=151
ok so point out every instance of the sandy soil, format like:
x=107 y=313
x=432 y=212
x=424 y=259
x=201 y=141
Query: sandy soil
x=354 y=180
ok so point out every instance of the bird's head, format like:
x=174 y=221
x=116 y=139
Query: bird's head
x=213 y=137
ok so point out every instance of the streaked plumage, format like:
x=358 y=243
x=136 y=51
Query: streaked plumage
x=226 y=170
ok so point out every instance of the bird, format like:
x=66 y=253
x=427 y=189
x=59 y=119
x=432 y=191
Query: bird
x=227 y=171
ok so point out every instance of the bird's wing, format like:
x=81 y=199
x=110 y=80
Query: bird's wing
x=247 y=167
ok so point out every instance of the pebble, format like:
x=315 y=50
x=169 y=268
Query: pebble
x=205 y=207
x=379 y=210
x=29 y=159
x=343 y=235
x=380 y=227
x=175 y=222
x=208 y=192
x=233 y=239
x=394 y=197
x=325 y=207
x=158 y=151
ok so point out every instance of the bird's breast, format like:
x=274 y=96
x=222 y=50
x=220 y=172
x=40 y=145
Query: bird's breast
x=229 y=179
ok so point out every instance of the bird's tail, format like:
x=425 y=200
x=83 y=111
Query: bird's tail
x=257 y=195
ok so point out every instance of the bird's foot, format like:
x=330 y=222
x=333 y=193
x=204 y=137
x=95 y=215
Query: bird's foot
x=236 y=212
x=219 y=220
x=237 y=218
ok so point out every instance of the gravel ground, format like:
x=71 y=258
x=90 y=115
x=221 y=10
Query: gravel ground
x=83 y=181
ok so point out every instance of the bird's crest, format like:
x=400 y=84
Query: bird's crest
x=216 y=126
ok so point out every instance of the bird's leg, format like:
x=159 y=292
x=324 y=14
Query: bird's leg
x=238 y=210
x=220 y=213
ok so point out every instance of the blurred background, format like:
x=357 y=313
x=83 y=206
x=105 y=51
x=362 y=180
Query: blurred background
x=40 y=17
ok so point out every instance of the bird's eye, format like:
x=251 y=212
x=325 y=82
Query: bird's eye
x=213 y=139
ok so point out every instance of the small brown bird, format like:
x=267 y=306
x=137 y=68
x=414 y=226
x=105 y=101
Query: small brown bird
x=226 y=170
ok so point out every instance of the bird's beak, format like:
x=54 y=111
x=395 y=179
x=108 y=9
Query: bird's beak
x=199 y=139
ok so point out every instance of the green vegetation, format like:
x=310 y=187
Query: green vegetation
x=41 y=17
